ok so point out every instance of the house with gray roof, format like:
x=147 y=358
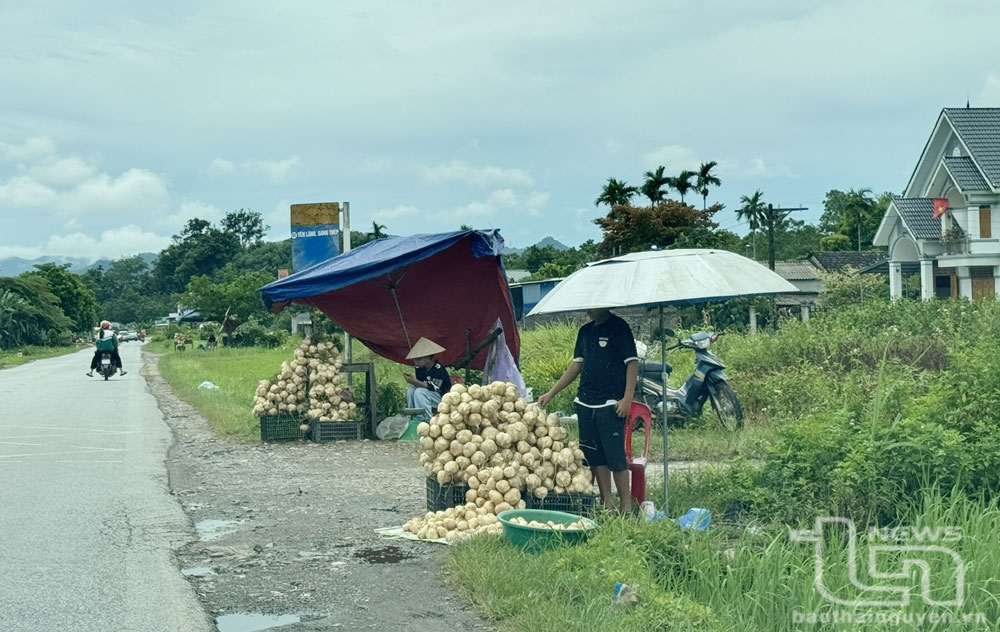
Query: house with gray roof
x=958 y=252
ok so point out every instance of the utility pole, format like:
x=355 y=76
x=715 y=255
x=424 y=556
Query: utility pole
x=774 y=216
x=346 y=229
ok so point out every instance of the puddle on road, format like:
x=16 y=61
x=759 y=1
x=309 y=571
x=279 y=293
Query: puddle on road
x=197 y=571
x=215 y=529
x=241 y=622
x=385 y=555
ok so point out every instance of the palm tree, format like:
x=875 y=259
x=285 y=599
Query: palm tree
x=652 y=187
x=752 y=210
x=615 y=193
x=377 y=230
x=682 y=183
x=706 y=179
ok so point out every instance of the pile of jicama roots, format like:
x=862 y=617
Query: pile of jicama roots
x=501 y=447
x=311 y=384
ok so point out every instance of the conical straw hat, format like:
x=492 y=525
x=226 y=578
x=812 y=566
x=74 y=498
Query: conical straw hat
x=424 y=348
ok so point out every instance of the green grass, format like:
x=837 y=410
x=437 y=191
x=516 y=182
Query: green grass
x=236 y=371
x=21 y=355
x=727 y=578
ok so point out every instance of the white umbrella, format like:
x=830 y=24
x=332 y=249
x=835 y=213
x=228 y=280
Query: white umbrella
x=657 y=278
x=662 y=277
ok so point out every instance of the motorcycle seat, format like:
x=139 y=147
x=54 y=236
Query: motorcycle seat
x=653 y=370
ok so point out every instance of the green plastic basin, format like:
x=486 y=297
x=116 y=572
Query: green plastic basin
x=534 y=539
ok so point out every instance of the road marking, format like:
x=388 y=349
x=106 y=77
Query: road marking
x=41 y=436
x=79 y=429
x=79 y=461
x=77 y=452
x=92 y=449
x=17 y=443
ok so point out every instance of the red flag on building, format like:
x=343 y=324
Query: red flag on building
x=940 y=206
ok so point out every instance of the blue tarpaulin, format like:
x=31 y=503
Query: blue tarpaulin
x=390 y=292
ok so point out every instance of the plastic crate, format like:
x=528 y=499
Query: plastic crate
x=444 y=496
x=280 y=428
x=320 y=431
x=570 y=503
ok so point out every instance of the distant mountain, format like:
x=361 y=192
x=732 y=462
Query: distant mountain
x=547 y=241
x=13 y=266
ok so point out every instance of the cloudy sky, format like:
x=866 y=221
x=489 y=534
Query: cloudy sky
x=120 y=120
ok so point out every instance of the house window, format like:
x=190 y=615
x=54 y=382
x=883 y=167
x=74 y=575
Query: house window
x=985 y=228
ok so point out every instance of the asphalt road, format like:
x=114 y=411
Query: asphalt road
x=87 y=527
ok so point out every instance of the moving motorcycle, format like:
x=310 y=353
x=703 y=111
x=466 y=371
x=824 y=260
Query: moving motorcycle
x=106 y=365
x=708 y=382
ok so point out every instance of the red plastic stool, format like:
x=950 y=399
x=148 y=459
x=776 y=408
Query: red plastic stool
x=637 y=466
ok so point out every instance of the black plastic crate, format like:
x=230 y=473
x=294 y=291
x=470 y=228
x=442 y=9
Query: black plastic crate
x=444 y=496
x=336 y=430
x=280 y=428
x=571 y=503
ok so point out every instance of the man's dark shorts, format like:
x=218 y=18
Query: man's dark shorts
x=602 y=437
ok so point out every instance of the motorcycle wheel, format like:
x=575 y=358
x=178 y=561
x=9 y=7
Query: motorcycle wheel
x=106 y=376
x=727 y=407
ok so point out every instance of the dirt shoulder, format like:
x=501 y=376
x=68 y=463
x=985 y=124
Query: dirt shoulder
x=287 y=529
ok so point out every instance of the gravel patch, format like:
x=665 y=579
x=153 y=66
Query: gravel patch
x=287 y=529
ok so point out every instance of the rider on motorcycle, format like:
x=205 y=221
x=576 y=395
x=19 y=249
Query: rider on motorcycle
x=107 y=340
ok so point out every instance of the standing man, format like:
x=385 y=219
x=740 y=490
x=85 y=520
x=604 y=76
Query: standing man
x=431 y=381
x=608 y=365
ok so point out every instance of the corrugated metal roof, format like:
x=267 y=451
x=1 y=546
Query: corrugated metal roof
x=979 y=129
x=796 y=270
x=965 y=173
x=917 y=215
x=838 y=261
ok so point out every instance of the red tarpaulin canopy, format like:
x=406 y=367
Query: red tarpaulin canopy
x=391 y=292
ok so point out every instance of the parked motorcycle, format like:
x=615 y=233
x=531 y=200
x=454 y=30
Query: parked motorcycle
x=106 y=365
x=708 y=382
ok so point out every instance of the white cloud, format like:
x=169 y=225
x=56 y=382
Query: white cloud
x=136 y=190
x=71 y=185
x=63 y=172
x=190 y=210
x=989 y=96
x=31 y=150
x=276 y=171
x=501 y=201
x=460 y=171
x=674 y=157
x=755 y=167
x=220 y=167
x=23 y=192
x=398 y=212
x=114 y=243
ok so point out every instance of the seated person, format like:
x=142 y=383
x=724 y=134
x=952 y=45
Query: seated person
x=211 y=343
x=431 y=380
x=107 y=340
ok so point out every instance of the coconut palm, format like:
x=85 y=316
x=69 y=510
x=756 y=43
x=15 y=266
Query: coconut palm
x=752 y=210
x=378 y=230
x=682 y=183
x=706 y=179
x=653 y=185
x=615 y=193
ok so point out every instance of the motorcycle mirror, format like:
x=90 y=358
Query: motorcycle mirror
x=669 y=332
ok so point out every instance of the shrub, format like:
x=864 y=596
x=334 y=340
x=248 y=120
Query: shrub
x=390 y=398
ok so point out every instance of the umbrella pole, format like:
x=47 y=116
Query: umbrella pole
x=663 y=413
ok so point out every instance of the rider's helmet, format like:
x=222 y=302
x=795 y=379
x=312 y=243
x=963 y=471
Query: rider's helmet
x=105 y=324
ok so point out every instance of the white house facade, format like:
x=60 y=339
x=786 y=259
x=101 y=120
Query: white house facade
x=958 y=253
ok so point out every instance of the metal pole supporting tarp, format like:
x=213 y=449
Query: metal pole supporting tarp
x=663 y=413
